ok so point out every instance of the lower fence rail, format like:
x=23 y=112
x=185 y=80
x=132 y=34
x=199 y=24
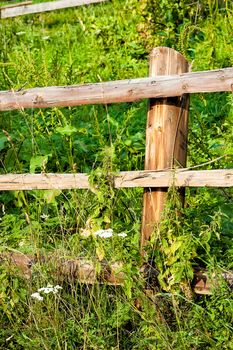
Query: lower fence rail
x=85 y=271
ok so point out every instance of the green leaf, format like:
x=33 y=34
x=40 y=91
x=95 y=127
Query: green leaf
x=38 y=162
x=3 y=140
x=48 y=196
x=100 y=253
x=67 y=130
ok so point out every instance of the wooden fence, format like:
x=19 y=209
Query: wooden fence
x=28 y=7
x=118 y=91
x=124 y=179
x=166 y=134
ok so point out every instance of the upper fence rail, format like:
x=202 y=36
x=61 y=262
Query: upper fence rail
x=118 y=91
x=158 y=86
x=124 y=179
x=29 y=8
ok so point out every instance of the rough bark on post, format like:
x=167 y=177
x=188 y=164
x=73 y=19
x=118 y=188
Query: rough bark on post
x=166 y=135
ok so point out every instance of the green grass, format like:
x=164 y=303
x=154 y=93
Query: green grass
x=105 y=42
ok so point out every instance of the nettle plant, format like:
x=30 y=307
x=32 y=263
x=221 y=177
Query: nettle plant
x=183 y=241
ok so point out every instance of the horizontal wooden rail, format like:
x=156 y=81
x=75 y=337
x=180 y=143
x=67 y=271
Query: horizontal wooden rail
x=84 y=271
x=15 y=5
x=24 y=9
x=125 y=179
x=118 y=91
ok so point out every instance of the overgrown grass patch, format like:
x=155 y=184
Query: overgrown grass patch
x=106 y=42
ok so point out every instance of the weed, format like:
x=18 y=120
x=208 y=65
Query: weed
x=99 y=43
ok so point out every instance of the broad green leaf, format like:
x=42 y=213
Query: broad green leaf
x=67 y=130
x=48 y=196
x=38 y=162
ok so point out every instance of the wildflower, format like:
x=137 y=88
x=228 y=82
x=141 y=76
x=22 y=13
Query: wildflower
x=20 y=33
x=22 y=243
x=104 y=233
x=85 y=232
x=122 y=234
x=37 y=296
x=50 y=289
x=46 y=290
x=44 y=216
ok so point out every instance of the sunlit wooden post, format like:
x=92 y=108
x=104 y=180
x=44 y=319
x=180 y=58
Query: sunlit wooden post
x=166 y=135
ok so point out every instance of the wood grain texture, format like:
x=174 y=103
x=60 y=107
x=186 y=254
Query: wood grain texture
x=15 y=5
x=43 y=181
x=24 y=9
x=166 y=135
x=124 y=179
x=118 y=91
x=178 y=178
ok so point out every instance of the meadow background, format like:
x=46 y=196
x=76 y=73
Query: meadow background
x=102 y=42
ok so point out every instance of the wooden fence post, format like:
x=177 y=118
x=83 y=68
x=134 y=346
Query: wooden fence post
x=166 y=135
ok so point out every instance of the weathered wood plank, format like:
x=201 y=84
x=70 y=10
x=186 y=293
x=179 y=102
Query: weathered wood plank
x=166 y=135
x=24 y=9
x=180 y=178
x=118 y=91
x=125 y=179
x=43 y=181
x=84 y=271
x=15 y=5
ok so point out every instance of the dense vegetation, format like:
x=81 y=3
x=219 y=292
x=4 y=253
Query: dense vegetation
x=104 y=42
